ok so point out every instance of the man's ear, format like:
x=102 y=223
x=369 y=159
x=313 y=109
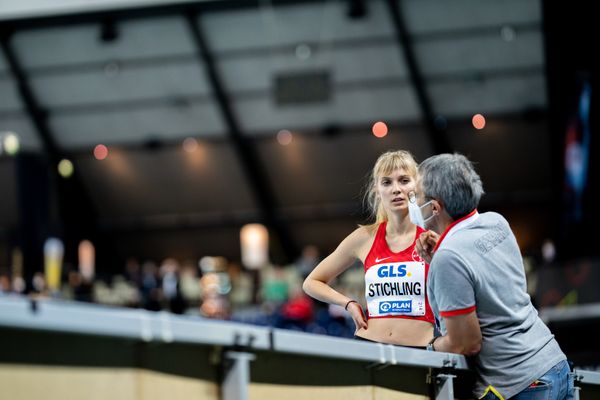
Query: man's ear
x=436 y=207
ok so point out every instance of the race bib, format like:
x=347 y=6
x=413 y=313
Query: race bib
x=394 y=289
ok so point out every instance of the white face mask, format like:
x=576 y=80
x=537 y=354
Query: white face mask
x=414 y=211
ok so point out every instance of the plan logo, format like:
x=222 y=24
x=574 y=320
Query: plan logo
x=398 y=306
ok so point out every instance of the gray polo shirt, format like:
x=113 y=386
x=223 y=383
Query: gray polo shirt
x=478 y=266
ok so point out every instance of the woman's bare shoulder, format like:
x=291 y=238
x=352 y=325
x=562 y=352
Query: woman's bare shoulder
x=362 y=234
x=359 y=241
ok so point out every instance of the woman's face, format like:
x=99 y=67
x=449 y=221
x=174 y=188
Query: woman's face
x=393 y=189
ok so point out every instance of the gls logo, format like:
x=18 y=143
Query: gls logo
x=392 y=271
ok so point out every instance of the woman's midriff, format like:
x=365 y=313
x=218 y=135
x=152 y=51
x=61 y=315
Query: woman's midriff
x=400 y=331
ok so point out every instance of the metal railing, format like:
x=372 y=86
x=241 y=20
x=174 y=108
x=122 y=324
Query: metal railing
x=240 y=343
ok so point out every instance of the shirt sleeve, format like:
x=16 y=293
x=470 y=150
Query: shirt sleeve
x=452 y=284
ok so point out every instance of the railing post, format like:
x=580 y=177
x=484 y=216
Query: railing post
x=576 y=388
x=237 y=375
x=444 y=387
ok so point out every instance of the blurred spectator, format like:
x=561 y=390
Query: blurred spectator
x=308 y=260
x=215 y=307
x=38 y=283
x=132 y=272
x=102 y=293
x=169 y=272
x=124 y=292
x=5 y=286
x=18 y=284
x=149 y=277
x=275 y=286
x=215 y=285
x=151 y=291
x=241 y=286
x=297 y=312
x=81 y=288
x=189 y=284
x=68 y=290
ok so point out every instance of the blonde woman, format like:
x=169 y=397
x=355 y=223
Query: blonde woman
x=398 y=311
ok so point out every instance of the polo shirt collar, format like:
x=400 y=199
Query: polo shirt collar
x=457 y=225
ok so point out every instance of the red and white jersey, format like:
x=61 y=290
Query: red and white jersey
x=396 y=283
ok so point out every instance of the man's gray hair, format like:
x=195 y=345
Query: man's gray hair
x=451 y=179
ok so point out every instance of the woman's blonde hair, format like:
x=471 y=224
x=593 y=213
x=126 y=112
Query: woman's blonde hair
x=386 y=163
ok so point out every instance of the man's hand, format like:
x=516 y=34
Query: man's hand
x=425 y=244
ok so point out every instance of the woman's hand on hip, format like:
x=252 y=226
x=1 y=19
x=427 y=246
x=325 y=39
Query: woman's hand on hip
x=358 y=316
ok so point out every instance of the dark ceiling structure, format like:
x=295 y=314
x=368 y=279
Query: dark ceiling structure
x=225 y=77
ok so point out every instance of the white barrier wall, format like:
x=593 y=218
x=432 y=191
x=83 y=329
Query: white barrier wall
x=62 y=350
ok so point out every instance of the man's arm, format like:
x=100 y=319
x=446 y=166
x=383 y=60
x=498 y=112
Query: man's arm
x=463 y=335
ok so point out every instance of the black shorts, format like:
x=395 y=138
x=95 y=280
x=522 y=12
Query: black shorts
x=372 y=341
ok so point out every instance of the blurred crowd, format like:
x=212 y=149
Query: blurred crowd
x=213 y=287
x=272 y=295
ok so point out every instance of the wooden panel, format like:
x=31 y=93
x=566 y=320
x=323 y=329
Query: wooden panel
x=275 y=392
x=26 y=382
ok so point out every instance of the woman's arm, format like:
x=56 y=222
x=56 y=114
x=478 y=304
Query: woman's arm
x=317 y=286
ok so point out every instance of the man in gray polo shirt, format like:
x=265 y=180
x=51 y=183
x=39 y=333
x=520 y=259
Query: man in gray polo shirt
x=477 y=288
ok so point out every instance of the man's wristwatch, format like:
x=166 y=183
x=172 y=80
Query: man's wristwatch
x=429 y=346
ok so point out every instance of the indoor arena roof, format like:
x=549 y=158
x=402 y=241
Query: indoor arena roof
x=143 y=76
